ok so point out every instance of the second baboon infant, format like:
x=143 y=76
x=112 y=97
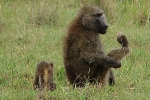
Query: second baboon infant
x=44 y=77
x=118 y=54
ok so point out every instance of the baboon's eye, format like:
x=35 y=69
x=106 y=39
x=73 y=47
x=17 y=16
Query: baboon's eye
x=98 y=15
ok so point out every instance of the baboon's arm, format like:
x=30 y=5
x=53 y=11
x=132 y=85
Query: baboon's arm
x=104 y=60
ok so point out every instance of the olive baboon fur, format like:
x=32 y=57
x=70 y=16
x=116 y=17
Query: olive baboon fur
x=119 y=54
x=84 y=58
x=44 y=77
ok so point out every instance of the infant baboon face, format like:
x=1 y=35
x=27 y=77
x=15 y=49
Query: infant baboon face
x=94 y=19
x=48 y=72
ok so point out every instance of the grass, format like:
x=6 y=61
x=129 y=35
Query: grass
x=24 y=42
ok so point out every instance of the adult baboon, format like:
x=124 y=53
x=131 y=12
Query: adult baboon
x=84 y=58
x=44 y=77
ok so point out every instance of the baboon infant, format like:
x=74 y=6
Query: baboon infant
x=44 y=77
x=84 y=58
x=118 y=54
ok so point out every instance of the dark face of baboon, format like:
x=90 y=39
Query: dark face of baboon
x=94 y=19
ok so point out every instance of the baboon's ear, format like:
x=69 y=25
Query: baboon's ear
x=51 y=64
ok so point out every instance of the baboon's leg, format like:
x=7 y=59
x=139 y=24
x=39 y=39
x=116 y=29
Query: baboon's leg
x=100 y=77
x=111 y=79
x=42 y=82
x=39 y=82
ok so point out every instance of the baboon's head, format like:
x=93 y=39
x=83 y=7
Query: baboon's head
x=93 y=18
x=45 y=67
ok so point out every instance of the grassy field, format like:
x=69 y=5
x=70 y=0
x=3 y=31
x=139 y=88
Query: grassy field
x=32 y=31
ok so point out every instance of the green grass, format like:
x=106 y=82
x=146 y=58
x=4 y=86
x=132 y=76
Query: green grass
x=24 y=42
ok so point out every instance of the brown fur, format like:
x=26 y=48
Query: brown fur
x=84 y=58
x=44 y=77
x=118 y=54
